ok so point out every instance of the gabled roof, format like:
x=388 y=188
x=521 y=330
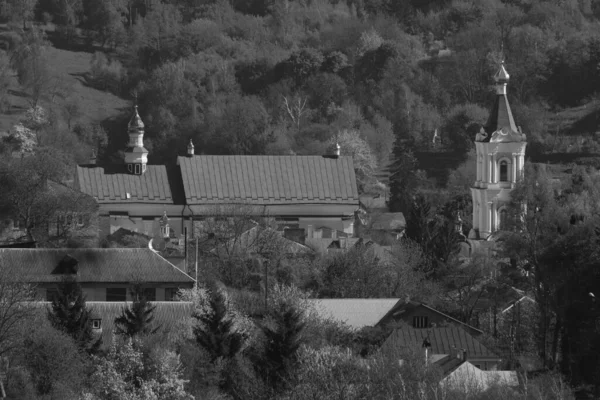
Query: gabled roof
x=356 y=313
x=444 y=340
x=113 y=184
x=93 y=265
x=268 y=180
x=260 y=239
x=410 y=305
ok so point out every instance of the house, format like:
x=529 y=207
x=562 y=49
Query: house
x=422 y=316
x=463 y=376
x=386 y=313
x=442 y=342
x=104 y=274
x=300 y=192
x=356 y=313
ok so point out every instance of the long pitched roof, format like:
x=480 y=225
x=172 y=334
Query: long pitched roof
x=356 y=313
x=443 y=340
x=113 y=184
x=167 y=315
x=93 y=265
x=262 y=180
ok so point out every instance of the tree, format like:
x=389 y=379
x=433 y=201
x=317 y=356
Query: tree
x=32 y=195
x=282 y=328
x=29 y=62
x=22 y=9
x=68 y=313
x=137 y=318
x=214 y=329
x=52 y=359
x=351 y=144
x=126 y=373
x=15 y=309
x=404 y=180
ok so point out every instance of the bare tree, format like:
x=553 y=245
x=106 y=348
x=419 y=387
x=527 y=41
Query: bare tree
x=15 y=308
x=231 y=238
x=295 y=108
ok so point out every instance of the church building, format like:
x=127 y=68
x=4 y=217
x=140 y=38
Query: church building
x=298 y=192
x=500 y=146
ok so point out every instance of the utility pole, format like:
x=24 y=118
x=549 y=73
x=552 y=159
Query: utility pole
x=196 y=261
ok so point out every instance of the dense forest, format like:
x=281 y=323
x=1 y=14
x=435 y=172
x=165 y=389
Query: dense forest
x=289 y=77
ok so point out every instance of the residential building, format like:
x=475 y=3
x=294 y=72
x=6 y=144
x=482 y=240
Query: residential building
x=444 y=341
x=301 y=192
x=104 y=274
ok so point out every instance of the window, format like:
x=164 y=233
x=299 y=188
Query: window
x=79 y=220
x=150 y=294
x=18 y=224
x=51 y=294
x=143 y=168
x=130 y=168
x=171 y=294
x=116 y=294
x=96 y=324
x=503 y=219
x=503 y=171
x=138 y=170
x=420 y=322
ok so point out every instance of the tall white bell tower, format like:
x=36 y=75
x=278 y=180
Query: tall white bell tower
x=500 y=149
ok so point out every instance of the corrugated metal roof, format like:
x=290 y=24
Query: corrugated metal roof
x=112 y=184
x=167 y=315
x=94 y=265
x=356 y=313
x=444 y=340
x=263 y=180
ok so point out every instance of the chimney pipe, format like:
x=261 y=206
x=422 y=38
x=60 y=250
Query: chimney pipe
x=93 y=157
x=190 y=149
x=464 y=355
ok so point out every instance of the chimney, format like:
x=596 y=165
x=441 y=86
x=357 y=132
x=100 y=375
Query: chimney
x=190 y=149
x=309 y=231
x=337 y=150
x=464 y=354
x=93 y=157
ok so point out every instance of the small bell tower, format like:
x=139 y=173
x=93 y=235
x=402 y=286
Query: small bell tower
x=136 y=155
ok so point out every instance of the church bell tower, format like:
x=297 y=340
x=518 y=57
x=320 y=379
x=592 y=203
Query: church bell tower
x=136 y=155
x=500 y=149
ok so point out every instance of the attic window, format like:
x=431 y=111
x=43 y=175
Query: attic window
x=420 y=322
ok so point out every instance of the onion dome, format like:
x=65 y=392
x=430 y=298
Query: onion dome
x=136 y=123
x=502 y=75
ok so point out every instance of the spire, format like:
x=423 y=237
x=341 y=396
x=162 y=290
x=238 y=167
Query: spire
x=190 y=148
x=135 y=123
x=501 y=123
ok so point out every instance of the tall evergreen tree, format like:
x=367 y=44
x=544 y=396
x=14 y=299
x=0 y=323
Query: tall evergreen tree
x=68 y=313
x=214 y=330
x=137 y=318
x=283 y=336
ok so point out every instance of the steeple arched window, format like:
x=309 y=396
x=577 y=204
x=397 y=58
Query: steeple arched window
x=503 y=171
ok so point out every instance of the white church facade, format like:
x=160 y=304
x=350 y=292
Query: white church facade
x=500 y=147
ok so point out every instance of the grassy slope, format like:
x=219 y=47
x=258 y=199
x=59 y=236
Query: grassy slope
x=68 y=66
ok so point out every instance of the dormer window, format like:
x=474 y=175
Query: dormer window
x=503 y=171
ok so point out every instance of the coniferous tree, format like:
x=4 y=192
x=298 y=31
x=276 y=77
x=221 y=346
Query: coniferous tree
x=69 y=314
x=283 y=336
x=137 y=318
x=215 y=331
